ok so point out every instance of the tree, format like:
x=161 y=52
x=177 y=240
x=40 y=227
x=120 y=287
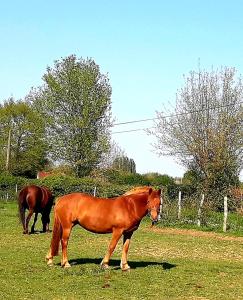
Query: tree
x=109 y=157
x=125 y=164
x=157 y=179
x=23 y=150
x=205 y=131
x=76 y=102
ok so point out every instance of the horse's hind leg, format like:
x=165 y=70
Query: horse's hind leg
x=46 y=222
x=117 y=233
x=35 y=220
x=126 y=242
x=28 y=219
x=64 y=241
x=22 y=218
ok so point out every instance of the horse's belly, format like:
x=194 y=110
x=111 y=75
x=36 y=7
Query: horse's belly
x=95 y=226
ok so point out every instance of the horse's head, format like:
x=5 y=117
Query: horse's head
x=153 y=205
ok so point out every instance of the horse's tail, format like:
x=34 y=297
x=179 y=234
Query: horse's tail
x=56 y=235
x=21 y=207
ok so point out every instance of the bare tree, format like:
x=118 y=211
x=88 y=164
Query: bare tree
x=205 y=131
x=108 y=158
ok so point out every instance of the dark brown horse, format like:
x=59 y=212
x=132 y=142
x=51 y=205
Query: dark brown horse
x=37 y=200
x=119 y=216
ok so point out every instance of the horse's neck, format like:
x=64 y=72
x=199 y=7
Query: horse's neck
x=140 y=205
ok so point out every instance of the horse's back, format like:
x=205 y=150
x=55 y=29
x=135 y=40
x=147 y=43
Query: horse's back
x=35 y=197
x=47 y=197
x=82 y=201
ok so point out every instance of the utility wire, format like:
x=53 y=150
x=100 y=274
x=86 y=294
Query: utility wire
x=135 y=121
x=174 y=115
x=132 y=130
x=164 y=117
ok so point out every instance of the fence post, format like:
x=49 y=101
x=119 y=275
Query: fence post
x=94 y=191
x=16 y=189
x=179 y=206
x=241 y=200
x=225 y=213
x=200 y=211
x=160 y=207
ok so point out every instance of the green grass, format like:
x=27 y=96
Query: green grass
x=165 y=265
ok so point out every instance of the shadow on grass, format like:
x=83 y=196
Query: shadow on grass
x=116 y=263
x=39 y=232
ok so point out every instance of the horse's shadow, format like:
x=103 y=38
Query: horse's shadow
x=39 y=232
x=114 y=263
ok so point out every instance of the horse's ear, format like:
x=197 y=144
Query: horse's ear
x=150 y=191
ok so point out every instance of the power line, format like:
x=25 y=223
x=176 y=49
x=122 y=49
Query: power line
x=131 y=130
x=135 y=121
x=164 y=117
x=174 y=115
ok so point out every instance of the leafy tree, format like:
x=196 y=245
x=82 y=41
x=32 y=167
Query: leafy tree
x=125 y=164
x=76 y=102
x=205 y=131
x=23 y=129
x=157 y=179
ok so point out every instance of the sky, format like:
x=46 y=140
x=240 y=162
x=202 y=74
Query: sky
x=145 y=48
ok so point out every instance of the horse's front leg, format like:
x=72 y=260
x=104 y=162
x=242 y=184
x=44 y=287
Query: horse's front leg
x=64 y=242
x=116 y=234
x=126 y=242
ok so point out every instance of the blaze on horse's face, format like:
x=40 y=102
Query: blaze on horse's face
x=154 y=205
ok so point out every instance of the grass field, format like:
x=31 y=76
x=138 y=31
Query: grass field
x=167 y=263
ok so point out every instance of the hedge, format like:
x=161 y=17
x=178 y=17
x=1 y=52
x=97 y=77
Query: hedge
x=61 y=185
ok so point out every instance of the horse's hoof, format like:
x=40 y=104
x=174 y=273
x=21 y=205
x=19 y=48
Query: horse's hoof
x=126 y=270
x=104 y=266
x=67 y=265
x=125 y=267
x=50 y=264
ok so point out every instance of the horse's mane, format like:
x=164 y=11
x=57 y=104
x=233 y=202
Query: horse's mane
x=137 y=190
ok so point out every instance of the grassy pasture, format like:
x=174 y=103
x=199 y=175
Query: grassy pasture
x=167 y=263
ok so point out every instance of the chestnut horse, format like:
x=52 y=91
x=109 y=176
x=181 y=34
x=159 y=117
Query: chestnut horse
x=37 y=200
x=119 y=216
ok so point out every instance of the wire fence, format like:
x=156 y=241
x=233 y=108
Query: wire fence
x=8 y=194
x=193 y=212
x=196 y=212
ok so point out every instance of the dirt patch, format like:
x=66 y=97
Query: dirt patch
x=195 y=233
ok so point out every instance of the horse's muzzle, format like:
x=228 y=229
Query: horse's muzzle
x=155 y=222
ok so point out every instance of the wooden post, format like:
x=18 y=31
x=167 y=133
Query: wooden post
x=160 y=207
x=200 y=211
x=8 y=150
x=16 y=189
x=94 y=191
x=179 y=206
x=225 y=213
x=241 y=200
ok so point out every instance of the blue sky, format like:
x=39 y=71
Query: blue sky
x=144 y=46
